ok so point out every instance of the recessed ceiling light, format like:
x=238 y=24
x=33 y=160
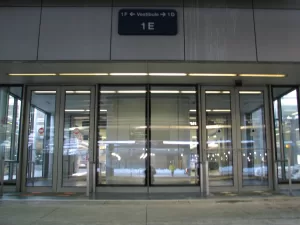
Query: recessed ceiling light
x=131 y=91
x=250 y=92
x=213 y=74
x=221 y=110
x=167 y=74
x=74 y=110
x=82 y=92
x=78 y=92
x=44 y=92
x=217 y=92
x=212 y=92
x=164 y=92
x=262 y=75
x=188 y=92
x=128 y=74
x=83 y=74
x=32 y=74
x=108 y=92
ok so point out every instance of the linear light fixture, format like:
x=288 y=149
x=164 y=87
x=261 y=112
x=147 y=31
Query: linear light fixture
x=44 y=92
x=187 y=92
x=212 y=92
x=82 y=92
x=250 y=92
x=262 y=75
x=164 y=92
x=83 y=74
x=217 y=92
x=218 y=110
x=103 y=110
x=193 y=110
x=78 y=92
x=221 y=110
x=32 y=74
x=168 y=74
x=213 y=74
x=74 y=110
x=131 y=92
x=128 y=74
x=108 y=92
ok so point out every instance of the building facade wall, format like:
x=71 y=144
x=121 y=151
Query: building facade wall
x=255 y=31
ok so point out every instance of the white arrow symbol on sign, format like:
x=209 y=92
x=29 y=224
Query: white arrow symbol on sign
x=132 y=14
x=163 y=14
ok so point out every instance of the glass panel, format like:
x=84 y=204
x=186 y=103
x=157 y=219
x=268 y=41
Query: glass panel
x=253 y=138
x=10 y=107
x=277 y=129
x=219 y=137
x=289 y=134
x=121 y=136
x=41 y=138
x=76 y=137
x=174 y=136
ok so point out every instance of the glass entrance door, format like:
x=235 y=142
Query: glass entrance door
x=219 y=137
x=76 y=141
x=234 y=137
x=252 y=123
x=58 y=131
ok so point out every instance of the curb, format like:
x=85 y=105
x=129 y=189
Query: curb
x=163 y=201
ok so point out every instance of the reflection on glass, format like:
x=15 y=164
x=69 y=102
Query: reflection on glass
x=253 y=139
x=41 y=139
x=287 y=138
x=76 y=137
x=219 y=138
x=121 y=136
x=174 y=135
x=10 y=109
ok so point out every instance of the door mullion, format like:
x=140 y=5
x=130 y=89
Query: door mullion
x=57 y=150
x=236 y=139
x=25 y=129
x=203 y=141
x=269 y=128
x=92 y=140
x=22 y=139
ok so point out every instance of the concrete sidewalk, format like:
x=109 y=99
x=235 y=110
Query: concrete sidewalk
x=259 y=211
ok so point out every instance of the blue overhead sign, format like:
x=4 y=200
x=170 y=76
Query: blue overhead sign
x=147 y=22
